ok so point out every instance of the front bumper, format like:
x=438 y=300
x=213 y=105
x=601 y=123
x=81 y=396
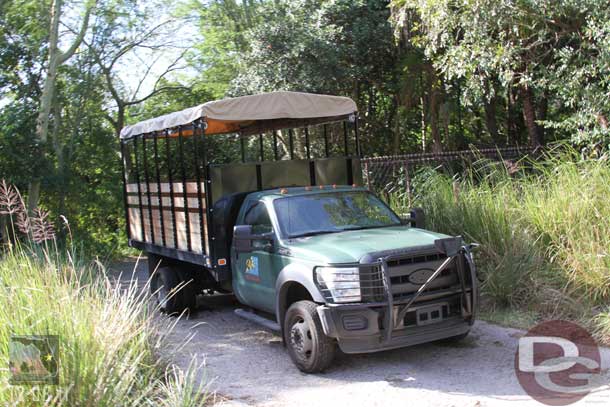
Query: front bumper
x=361 y=330
x=372 y=327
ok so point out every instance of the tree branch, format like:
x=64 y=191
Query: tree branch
x=64 y=56
x=154 y=93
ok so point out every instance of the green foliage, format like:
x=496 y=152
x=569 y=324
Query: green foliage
x=80 y=165
x=335 y=47
x=557 y=49
x=21 y=46
x=108 y=338
x=422 y=72
x=223 y=24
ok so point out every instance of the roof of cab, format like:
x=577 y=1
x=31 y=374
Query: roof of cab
x=302 y=191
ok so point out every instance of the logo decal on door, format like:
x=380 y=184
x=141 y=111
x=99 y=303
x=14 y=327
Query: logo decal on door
x=252 y=269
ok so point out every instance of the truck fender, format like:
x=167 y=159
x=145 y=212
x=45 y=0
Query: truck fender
x=293 y=273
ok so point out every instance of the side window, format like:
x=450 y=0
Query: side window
x=258 y=217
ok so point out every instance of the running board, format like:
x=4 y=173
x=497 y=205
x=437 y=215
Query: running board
x=257 y=319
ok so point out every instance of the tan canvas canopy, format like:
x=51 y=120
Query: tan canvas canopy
x=233 y=114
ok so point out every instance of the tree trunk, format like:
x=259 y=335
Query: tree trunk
x=541 y=113
x=48 y=90
x=490 y=119
x=434 y=102
x=445 y=117
x=511 y=134
x=460 y=139
x=437 y=146
x=490 y=102
x=529 y=116
x=394 y=118
x=55 y=59
x=120 y=119
x=46 y=98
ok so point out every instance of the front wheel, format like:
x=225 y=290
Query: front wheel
x=309 y=348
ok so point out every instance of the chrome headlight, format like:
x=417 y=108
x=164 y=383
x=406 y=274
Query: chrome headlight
x=341 y=284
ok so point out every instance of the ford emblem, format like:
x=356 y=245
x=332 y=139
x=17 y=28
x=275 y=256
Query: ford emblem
x=420 y=276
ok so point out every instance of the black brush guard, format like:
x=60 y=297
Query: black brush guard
x=453 y=248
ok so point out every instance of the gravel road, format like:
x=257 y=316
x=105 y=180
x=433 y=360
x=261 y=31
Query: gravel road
x=247 y=365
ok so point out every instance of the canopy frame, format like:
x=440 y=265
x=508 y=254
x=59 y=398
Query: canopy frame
x=137 y=166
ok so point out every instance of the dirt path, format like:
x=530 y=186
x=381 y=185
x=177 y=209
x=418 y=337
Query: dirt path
x=249 y=366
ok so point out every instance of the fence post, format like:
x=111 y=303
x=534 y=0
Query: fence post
x=368 y=175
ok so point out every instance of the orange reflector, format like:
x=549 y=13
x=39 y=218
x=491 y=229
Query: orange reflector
x=222 y=262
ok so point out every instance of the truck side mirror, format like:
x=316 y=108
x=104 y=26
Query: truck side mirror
x=417 y=218
x=245 y=241
x=242 y=238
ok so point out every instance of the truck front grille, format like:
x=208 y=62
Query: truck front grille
x=407 y=275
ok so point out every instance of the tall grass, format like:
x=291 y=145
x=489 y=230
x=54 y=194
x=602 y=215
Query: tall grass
x=110 y=346
x=544 y=228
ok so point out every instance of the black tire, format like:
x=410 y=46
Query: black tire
x=309 y=348
x=174 y=290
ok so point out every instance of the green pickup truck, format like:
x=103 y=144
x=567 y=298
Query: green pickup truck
x=295 y=238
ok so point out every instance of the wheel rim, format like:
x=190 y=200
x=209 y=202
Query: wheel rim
x=301 y=339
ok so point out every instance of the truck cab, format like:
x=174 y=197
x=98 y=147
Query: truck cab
x=298 y=239
x=307 y=255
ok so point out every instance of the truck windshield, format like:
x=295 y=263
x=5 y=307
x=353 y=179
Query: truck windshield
x=309 y=215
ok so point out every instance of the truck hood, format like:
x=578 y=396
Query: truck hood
x=351 y=246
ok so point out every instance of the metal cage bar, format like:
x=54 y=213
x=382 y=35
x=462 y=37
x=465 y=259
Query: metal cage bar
x=307 y=146
x=148 y=196
x=136 y=162
x=208 y=196
x=200 y=197
x=261 y=147
x=345 y=142
x=184 y=194
x=159 y=191
x=170 y=179
x=243 y=148
x=326 y=150
x=275 y=153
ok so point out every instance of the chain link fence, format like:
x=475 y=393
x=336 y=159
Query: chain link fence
x=391 y=174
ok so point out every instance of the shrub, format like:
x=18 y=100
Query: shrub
x=544 y=228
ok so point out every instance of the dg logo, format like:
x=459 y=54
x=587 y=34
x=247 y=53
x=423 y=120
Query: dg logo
x=558 y=363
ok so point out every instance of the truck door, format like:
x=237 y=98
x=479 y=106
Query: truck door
x=253 y=273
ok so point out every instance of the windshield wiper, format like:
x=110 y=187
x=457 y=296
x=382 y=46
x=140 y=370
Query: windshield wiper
x=314 y=233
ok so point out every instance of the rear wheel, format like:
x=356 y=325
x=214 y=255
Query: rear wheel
x=173 y=289
x=309 y=348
